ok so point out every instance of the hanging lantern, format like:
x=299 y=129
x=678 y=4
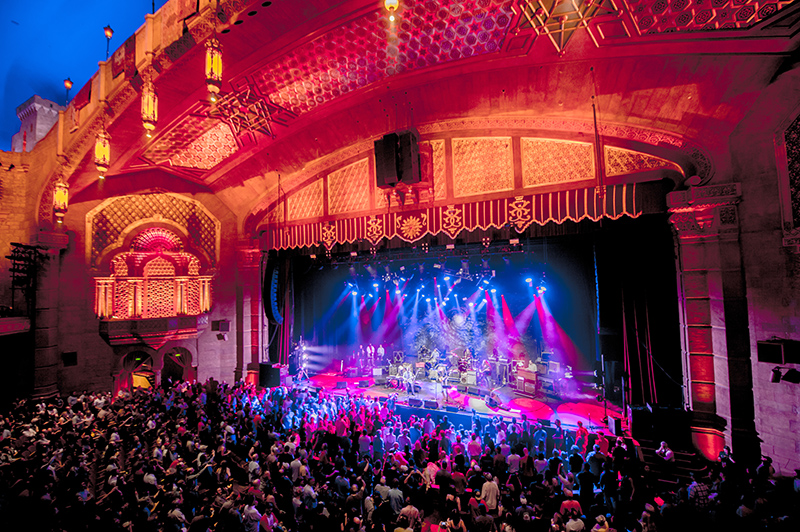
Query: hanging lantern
x=60 y=200
x=149 y=107
x=391 y=6
x=102 y=152
x=213 y=67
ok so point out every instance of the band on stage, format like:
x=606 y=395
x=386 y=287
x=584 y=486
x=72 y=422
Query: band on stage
x=445 y=367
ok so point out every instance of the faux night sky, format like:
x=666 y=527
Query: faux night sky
x=47 y=41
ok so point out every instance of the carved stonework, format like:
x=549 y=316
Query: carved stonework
x=704 y=211
x=439 y=175
x=109 y=222
x=307 y=202
x=703 y=166
x=788 y=154
x=547 y=162
x=348 y=188
x=482 y=165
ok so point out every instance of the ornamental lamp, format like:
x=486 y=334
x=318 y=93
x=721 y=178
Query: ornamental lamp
x=149 y=107
x=391 y=6
x=102 y=152
x=213 y=67
x=60 y=200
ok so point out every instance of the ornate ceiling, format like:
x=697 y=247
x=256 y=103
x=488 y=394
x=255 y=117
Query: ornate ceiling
x=307 y=84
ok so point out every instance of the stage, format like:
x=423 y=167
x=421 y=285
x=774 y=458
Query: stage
x=568 y=408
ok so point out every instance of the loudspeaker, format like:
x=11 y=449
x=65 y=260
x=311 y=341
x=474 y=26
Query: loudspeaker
x=408 y=157
x=351 y=373
x=413 y=401
x=386 y=173
x=268 y=376
x=451 y=408
x=363 y=384
x=641 y=423
x=432 y=405
x=545 y=422
x=340 y=385
x=272 y=290
x=379 y=379
x=462 y=389
x=221 y=326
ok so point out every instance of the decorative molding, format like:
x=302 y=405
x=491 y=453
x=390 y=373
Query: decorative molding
x=482 y=165
x=705 y=211
x=109 y=223
x=518 y=212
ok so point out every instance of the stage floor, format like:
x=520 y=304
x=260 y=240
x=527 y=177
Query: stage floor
x=569 y=409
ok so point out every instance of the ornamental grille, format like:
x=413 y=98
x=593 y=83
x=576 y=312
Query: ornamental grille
x=160 y=298
x=193 y=298
x=159 y=267
x=119 y=267
x=122 y=297
x=111 y=221
x=194 y=266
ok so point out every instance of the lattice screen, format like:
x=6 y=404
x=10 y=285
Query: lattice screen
x=159 y=267
x=160 y=298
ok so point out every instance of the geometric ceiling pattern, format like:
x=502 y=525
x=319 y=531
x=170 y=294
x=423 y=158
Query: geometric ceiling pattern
x=663 y=16
x=371 y=48
x=208 y=150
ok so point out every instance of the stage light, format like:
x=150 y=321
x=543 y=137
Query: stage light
x=428 y=299
x=528 y=280
x=375 y=285
x=355 y=293
x=486 y=281
x=397 y=291
x=446 y=277
x=471 y=304
x=494 y=290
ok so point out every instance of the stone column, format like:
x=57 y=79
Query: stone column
x=45 y=319
x=714 y=318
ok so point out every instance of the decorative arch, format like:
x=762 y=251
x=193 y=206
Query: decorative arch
x=460 y=164
x=114 y=220
x=129 y=362
x=156 y=278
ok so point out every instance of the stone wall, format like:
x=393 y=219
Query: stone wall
x=772 y=269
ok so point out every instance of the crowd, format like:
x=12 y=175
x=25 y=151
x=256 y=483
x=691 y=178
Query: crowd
x=231 y=458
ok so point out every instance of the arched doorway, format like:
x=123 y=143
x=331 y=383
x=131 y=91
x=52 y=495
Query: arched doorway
x=137 y=371
x=177 y=366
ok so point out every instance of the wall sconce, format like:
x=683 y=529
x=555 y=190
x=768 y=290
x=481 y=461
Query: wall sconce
x=791 y=375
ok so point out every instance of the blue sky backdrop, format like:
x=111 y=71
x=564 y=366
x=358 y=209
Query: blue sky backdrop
x=46 y=41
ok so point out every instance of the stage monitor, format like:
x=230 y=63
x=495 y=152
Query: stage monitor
x=554 y=367
x=268 y=376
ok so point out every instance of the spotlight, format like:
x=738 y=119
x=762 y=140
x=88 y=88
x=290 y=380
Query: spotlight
x=355 y=293
x=528 y=280
x=446 y=277
x=375 y=285
x=493 y=290
x=428 y=299
x=471 y=304
x=397 y=291
x=486 y=281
